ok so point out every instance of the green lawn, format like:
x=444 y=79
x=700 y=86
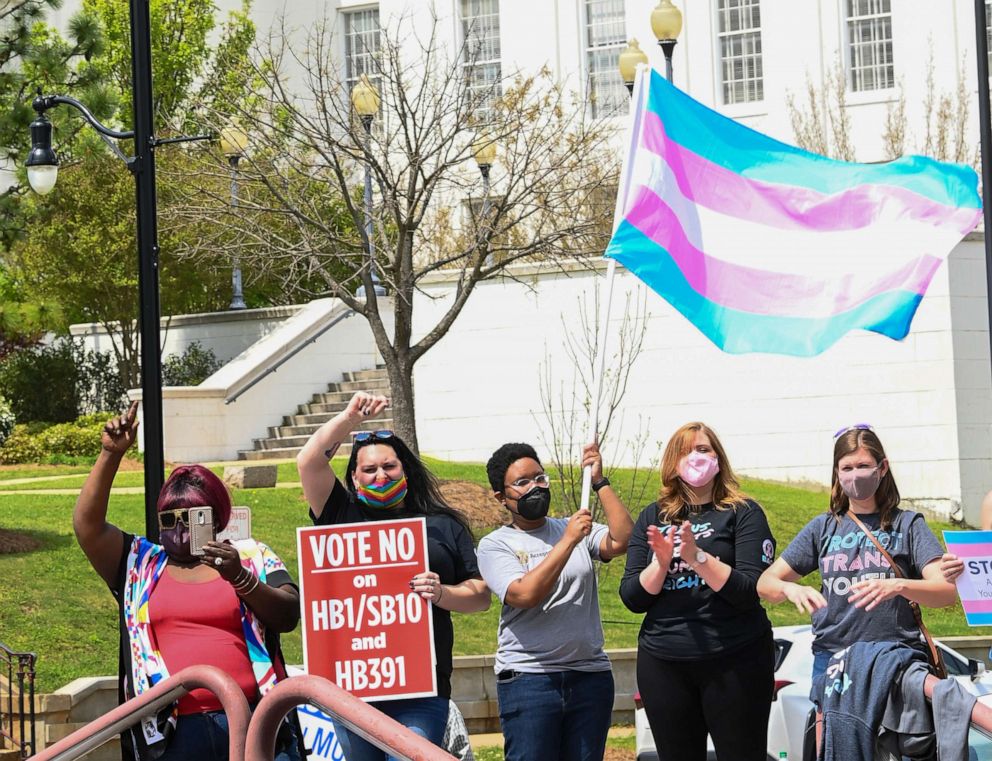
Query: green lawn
x=72 y=476
x=52 y=603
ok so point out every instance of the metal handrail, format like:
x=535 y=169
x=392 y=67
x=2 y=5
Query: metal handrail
x=345 y=709
x=338 y=315
x=96 y=733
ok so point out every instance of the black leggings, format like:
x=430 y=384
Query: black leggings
x=728 y=697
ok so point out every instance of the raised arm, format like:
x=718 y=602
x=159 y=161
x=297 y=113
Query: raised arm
x=618 y=519
x=101 y=541
x=312 y=461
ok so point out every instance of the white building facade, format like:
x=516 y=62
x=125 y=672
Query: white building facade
x=929 y=396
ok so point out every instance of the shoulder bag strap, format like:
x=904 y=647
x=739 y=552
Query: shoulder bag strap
x=936 y=659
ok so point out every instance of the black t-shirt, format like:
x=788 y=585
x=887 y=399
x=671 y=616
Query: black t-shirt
x=687 y=620
x=450 y=554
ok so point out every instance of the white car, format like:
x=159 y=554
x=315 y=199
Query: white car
x=791 y=705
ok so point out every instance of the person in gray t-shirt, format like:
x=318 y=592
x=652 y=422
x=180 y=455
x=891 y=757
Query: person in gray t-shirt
x=861 y=599
x=553 y=678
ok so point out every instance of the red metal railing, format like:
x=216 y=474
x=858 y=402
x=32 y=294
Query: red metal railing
x=345 y=709
x=96 y=733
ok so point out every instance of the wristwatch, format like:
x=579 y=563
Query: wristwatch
x=604 y=481
x=700 y=556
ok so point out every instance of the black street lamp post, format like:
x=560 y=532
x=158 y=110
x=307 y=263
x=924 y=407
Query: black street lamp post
x=666 y=23
x=365 y=100
x=985 y=128
x=42 y=166
x=233 y=142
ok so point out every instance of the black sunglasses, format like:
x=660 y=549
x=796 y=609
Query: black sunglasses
x=363 y=436
x=168 y=519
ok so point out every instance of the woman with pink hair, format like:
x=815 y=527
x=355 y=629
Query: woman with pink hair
x=225 y=607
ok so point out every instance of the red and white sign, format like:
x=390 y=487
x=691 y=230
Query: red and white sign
x=363 y=627
x=238 y=527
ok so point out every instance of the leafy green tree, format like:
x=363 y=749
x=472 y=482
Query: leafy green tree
x=80 y=247
x=32 y=56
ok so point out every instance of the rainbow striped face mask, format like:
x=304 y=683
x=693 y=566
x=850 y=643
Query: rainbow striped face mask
x=382 y=496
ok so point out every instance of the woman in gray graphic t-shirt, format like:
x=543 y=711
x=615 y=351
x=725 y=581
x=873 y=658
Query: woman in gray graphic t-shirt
x=861 y=599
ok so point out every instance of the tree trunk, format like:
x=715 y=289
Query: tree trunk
x=402 y=406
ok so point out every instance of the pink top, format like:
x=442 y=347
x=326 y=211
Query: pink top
x=197 y=624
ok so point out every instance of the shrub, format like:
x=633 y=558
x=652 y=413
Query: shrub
x=71 y=439
x=190 y=368
x=74 y=442
x=57 y=382
x=40 y=382
x=21 y=447
x=7 y=421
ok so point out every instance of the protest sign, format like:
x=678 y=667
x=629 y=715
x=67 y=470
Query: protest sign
x=363 y=627
x=238 y=527
x=975 y=584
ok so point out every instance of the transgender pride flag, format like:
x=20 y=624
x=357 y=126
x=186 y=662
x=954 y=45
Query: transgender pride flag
x=768 y=248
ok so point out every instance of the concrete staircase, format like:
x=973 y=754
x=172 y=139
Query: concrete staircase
x=286 y=440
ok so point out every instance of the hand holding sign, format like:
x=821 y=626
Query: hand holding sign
x=366 y=627
x=973 y=550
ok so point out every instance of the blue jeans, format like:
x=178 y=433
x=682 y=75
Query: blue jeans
x=204 y=736
x=560 y=715
x=426 y=717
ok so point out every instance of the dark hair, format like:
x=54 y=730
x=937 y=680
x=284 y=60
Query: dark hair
x=423 y=494
x=503 y=458
x=196 y=486
x=887 y=497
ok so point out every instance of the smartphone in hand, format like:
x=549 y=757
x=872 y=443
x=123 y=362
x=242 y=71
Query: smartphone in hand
x=201 y=528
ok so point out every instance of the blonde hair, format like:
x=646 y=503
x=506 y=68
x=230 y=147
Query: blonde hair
x=674 y=496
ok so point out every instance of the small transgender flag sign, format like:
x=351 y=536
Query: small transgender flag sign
x=765 y=247
x=975 y=584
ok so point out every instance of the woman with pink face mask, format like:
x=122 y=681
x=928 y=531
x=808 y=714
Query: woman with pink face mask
x=705 y=656
x=861 y=599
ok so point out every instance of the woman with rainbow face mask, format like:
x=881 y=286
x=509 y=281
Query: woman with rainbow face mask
x=384 y=480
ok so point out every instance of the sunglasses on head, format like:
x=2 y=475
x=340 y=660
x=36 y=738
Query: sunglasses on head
x=855 y=427
x=363 y=436
x=168 y=519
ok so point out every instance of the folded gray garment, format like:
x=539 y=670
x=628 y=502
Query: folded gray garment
x=907 y=725
x=952 y=706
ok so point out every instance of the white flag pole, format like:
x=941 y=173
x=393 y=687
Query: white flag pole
x=641 y=84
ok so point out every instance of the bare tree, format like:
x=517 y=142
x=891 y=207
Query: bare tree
x=565 y=402
x=308 y=149
x=810 y=128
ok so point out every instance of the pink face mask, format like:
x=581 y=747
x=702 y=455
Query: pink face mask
x=698 y=468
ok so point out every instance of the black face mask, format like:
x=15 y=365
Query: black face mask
x=534 y=504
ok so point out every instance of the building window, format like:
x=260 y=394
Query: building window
x=605 y=39
x=481 y=67
x=869 y=41
x=739 y=33
x=361 y=46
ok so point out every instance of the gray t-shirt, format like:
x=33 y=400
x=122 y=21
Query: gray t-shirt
x=842 y=554
x=564 y=632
